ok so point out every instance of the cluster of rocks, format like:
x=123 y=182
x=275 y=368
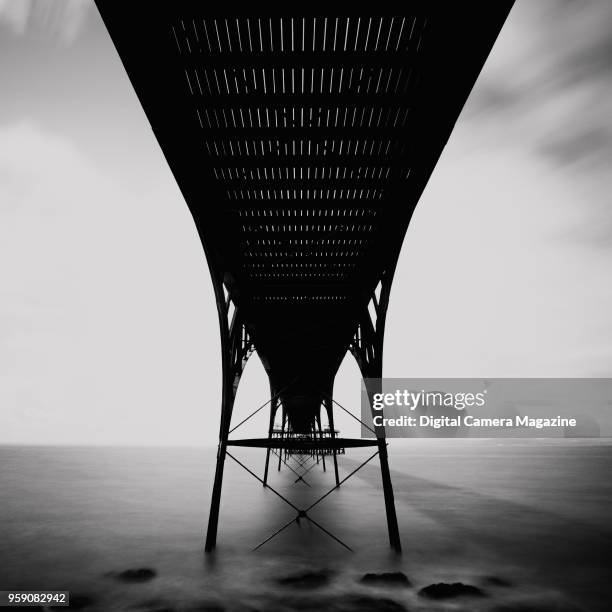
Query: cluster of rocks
x=308 y=583
x=367 y=603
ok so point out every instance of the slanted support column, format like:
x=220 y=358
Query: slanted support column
x=280 y=450
x=226 y=414
x=392 y=526
x=329 y=406
x=273 y=408
x=367 y=348
x=318 y=419
x=236 y=347
x=213 y=518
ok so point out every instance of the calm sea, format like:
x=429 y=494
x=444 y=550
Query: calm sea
x=528 y=522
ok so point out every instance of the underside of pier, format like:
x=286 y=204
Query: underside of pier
x=302 y=144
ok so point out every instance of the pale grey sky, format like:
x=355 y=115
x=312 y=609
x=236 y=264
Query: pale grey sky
x=108 y=326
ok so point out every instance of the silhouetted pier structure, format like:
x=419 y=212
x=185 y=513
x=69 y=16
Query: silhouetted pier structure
x=302 y=142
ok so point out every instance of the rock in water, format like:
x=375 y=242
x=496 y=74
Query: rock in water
x=141 y=574
x=307 y=580
x=444 y=590
x=386 y=579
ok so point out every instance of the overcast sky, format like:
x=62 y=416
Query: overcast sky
x=108 y=328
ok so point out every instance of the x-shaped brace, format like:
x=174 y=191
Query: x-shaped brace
x=303 y=513
x=299 y=476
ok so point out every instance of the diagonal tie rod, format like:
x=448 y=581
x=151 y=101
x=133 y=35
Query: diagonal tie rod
x=300 y=513
x=342 y=481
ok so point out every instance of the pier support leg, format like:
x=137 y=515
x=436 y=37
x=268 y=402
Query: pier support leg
x=330 y=418
x=213 y=518
x=215 y=502
x=392 y=527
x=367 y=348
x=273 y=407
x=280 y=450
x=236 y=347
x=321 y=437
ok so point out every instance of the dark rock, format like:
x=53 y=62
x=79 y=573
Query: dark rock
x=142 y=574
x=386 y=579
x=307 y=580
x=444 y=590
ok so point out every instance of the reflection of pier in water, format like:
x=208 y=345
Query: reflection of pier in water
x=302 y=144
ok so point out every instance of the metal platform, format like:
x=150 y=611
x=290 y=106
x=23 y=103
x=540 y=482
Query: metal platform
x=304 y=444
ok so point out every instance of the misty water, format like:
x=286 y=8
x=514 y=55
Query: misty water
x=527 y=521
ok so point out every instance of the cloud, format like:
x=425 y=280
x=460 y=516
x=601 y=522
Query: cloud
x=14 y=14
x=546 y=91
x=548 y=80
x=58 y=19
x=106 y=315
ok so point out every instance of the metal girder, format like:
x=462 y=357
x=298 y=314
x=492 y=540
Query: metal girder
x=306 y=446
